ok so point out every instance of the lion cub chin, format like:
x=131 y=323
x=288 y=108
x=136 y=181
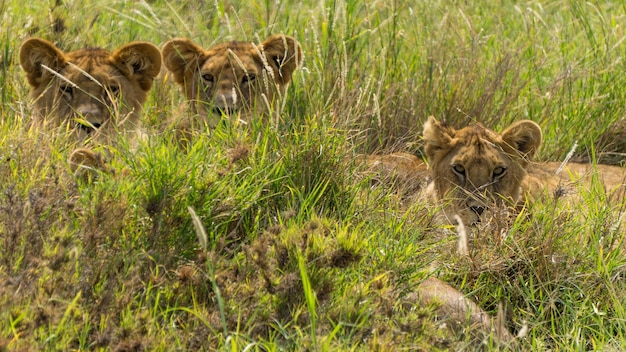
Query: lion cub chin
x=232 y=80
x=93 y=93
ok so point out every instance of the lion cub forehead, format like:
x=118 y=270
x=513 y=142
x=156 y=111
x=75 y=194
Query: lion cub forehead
x=98 y=76
x=95 y=79
x=225 y=57
x=476 y=154
x=476 y=133
x=236 y=46
x=478 y=145
x=216 y=64
x=95 y=62
x=88 y=59
x=479 y=137
x=233 y=49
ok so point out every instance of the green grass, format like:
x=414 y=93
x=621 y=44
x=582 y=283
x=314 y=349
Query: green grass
x=287 y=248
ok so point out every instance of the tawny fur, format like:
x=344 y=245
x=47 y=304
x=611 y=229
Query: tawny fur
x=406 y=171
x=475 y=168
x=456 y=309
x=238 y=80
x=409 y=174
x=96 y=94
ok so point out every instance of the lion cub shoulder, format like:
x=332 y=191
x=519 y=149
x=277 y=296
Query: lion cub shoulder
x=405 y=171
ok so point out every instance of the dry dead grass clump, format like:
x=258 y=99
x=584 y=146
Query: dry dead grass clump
x=65 y=252
x=260 y=286
x=36 y=196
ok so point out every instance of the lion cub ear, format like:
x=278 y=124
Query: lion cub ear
x=142 y=61
x=180 y=55
x=284 y=54
x=437 y=136
x=36 y=52
x=524 y=136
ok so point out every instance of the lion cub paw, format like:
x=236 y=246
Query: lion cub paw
x=86 y=164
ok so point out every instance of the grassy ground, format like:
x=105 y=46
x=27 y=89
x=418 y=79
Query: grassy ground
x=262 y=238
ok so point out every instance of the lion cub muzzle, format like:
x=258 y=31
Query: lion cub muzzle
x=475 y=206
x=478 y=210
x=90 y=117
x=88 y=128
x=225 y=103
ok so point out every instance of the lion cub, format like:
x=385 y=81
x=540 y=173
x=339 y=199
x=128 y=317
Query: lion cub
x=232 y=79
x=94 y=93
x=475 y=168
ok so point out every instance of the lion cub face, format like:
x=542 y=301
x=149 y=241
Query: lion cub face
x=93 y=92
x=474 y=167
x=234 y=78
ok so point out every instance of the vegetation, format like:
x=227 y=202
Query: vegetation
x=265 y=237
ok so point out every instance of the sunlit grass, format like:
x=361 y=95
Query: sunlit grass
x=287 y=247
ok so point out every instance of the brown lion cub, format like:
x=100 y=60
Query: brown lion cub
x=405 y=171
x=231 y=79
x=475 y=168
x=93 y=92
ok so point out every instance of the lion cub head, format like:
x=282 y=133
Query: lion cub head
x=474 y=168
x=93 y=92
x=233 y=78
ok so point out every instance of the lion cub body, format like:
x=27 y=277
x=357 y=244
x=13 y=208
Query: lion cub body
x=405 y=171
x=474 y=168
x=233 y=79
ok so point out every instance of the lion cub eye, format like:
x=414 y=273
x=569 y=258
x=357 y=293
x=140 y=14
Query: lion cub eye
x=67 y=92
x=111 y=93
x=499 y=172
x=458 y=169
x=248 y=78
x=207 y=77
x=114 y=91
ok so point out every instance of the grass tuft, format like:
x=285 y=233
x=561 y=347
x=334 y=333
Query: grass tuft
x=266 y=236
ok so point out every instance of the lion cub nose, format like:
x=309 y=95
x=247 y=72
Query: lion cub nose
x=89 y=128
x=219 y=111
x=477 y=209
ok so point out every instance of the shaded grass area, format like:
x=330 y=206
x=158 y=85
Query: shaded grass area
x=301 y=254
